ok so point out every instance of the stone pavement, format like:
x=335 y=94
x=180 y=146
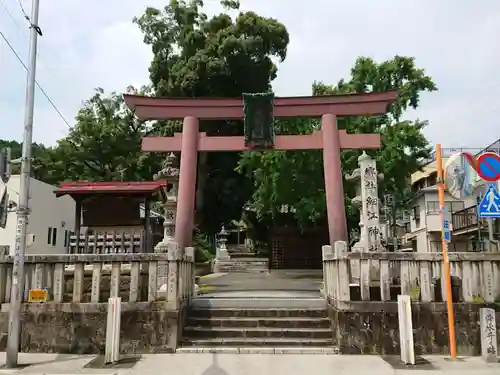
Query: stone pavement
x=274 y=280
x=248 y=364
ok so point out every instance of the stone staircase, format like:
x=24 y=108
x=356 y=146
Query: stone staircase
x=220 y=323
x=240 y=251
x=242 y=260
x=242 y=265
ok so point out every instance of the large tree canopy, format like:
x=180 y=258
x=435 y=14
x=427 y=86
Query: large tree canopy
x=296 y=177
x=104 y=144
x=197 y=56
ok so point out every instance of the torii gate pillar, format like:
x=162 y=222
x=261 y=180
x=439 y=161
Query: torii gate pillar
x=335 y=206
x=184 y=220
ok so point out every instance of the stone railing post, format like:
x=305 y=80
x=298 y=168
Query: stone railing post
x=170 y=172
x=112 y=349
x=342 y=283
x=174 y=253
x=406 y=343
x=328 y=272
x=190 y=271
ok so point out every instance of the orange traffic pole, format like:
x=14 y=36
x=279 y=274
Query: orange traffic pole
x=447 y=275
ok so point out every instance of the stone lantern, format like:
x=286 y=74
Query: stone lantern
x=170 y=173
x=222 y=253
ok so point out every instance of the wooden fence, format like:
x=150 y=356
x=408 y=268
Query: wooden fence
x=83 y=278
x=376 y=276
x=112 y=242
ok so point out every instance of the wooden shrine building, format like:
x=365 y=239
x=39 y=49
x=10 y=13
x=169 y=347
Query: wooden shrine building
x=113 y=217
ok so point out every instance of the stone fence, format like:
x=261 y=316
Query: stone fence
x=83 y=278
x=155 y=289
x=362 y=288
x=381 y=276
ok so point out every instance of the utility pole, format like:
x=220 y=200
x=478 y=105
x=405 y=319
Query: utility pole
x=5 y=172
x=17 y=290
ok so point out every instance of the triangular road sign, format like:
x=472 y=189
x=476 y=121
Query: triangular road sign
x=490 y=205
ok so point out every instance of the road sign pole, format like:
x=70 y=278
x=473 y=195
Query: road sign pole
x=17 y=290
x=447 y=274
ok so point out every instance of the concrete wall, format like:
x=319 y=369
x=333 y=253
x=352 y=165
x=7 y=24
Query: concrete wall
x=47 y=211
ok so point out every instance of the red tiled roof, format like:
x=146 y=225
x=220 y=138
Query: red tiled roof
x=112 y=187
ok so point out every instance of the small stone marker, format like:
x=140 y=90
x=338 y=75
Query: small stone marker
x=489 y=348
x=405 y=330
x=112 y=351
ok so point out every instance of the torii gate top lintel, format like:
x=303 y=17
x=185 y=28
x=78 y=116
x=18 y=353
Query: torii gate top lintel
x=158 y=108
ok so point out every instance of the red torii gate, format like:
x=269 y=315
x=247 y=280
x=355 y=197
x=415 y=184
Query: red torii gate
x=329 y=139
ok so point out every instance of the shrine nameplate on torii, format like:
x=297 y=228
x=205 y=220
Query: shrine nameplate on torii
x=329 y=139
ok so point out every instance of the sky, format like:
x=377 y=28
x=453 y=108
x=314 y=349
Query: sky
x=89 y=44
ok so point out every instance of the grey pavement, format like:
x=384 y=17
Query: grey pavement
x=249 y=364
x=309 y=281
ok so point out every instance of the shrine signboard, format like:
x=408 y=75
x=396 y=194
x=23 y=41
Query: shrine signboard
x=38 y=295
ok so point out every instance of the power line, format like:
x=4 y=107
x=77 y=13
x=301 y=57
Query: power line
x=22 y=10
x=36 y=82
x=22 y=30
x=36 y=27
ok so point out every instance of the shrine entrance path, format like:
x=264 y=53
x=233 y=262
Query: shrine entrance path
x=274 y=283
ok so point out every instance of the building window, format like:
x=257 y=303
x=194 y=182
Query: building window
x=66 y=237
x=455 y=206
x=432 y=179
x=54 y=236
x=416 y=212
x=433 y=207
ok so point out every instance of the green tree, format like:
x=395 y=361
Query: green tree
x=296 y=177
x=195 y=56
x=104 y=145
x=40 y=153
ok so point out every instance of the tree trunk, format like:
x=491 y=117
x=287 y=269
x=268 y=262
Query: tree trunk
x=200 y=186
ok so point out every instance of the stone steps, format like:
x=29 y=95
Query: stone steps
x=260 y=307
x=262 y=322
x=257 y=332
x=258 y=342
x=271 y=349
x=253 y=327
x=243 y=265
x=241 y=255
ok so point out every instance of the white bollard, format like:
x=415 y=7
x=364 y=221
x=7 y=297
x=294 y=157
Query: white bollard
x=405 y=330
x=112 y=352
x=488 y=328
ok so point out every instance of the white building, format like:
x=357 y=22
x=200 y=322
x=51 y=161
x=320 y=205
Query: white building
x=50 y=222
x=468 y=233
